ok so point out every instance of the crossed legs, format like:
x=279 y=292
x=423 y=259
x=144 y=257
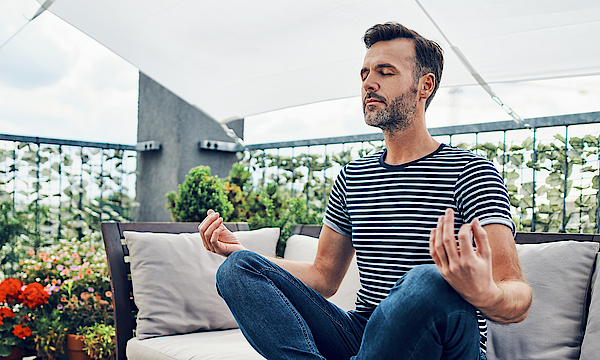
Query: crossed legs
x=422 y=317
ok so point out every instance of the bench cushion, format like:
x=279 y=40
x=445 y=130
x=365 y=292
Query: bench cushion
x=174 y=285
x=222 y=345
x=559 y=274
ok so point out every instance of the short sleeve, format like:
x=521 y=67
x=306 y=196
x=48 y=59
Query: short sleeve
x=480 y=193
x=337 y=216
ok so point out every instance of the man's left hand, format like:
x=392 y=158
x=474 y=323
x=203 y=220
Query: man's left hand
x=467 y=270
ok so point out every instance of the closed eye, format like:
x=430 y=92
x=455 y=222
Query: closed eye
x=363 y=74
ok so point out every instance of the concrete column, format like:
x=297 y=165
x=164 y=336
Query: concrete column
x=179 y=127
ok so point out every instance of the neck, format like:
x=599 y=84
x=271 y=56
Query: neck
x=409 y=144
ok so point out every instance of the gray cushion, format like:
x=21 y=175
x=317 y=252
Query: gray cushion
x=590 y=348
x=173 y=278
x=560 y=274
x=304 y=248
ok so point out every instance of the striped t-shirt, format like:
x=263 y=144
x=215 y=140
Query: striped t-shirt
x=389 y=211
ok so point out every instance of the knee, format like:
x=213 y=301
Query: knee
x=233 y=268
x=426 y=274
x=427 y=284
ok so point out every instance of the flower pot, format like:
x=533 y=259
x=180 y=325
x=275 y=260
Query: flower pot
x=75 y=347
x=16 y=354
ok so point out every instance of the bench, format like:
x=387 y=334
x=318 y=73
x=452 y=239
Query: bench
x=563 y=323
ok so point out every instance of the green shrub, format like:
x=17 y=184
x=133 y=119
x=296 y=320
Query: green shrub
x=197 y=194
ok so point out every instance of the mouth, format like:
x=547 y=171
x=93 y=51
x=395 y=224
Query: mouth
x=373 y=99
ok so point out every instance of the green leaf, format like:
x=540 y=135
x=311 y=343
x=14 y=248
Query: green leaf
x=517 y=159
x=554 y=196
x=526 y=188
x=543 y=148
x=513 y=175
x=528 y=143
x=590 y=140
x=554 y=179
x=545 y=209
x=526 y=203
x=560 y=138
x=5 y=350
x=576 y=142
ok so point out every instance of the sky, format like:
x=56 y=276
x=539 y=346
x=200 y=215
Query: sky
x=56 y=82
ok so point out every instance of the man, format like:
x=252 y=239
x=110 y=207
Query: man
x=399 y=210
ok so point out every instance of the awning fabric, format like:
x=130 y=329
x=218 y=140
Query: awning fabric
x=235 y=58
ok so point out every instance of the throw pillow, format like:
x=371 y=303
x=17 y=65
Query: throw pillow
x=304 y=248
x=559 y=274
x=174 y=285
x=590 y=348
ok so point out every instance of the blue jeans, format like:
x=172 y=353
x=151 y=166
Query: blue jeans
x=423 y=317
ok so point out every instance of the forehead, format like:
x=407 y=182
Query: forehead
x=397 y=52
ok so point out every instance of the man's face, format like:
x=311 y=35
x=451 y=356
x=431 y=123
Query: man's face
x=389 y=90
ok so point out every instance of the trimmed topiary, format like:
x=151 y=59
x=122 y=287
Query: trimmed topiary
x=198 y=193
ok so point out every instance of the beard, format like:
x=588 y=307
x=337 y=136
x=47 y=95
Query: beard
x=396 y=116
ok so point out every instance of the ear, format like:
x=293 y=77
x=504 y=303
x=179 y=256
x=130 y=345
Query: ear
x=426 y=86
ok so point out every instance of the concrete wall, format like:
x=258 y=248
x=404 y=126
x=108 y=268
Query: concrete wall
x=179 y=127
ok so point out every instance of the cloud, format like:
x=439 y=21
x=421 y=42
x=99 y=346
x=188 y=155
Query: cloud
x=80 y=90
x=31 y=59
x=28 y=62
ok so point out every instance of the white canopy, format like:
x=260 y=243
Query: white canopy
x=235 y=58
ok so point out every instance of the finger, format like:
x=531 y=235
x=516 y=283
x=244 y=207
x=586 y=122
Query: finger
x=205 y=223
x=215 y=233
x=438 y=245
x=209 y=233
x=203 y=227
x=464 y=241
x=432 y=250
x=448 y=238
x=214 y=240
x=481 y=240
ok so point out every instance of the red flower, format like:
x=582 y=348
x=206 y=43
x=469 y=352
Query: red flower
x=21 y=331
x=6 y=312
x=10 y=289
x=34 y=294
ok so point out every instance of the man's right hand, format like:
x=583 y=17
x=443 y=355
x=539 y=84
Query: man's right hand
x=216 y=237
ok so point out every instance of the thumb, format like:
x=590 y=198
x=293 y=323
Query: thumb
x=481 y=239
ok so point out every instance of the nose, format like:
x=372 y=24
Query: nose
x=370 y=84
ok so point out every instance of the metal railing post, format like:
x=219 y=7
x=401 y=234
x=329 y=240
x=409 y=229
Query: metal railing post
x=533 y=181
x=564 y=210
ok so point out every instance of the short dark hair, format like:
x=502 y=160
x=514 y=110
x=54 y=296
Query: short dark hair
x=429 y=55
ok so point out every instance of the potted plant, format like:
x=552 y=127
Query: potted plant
x=49 y=335
x=75 y=273
x=99 y=341
x=17 y=304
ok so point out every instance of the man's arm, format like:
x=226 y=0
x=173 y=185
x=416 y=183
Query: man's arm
x=324 y=275
x=490 y=278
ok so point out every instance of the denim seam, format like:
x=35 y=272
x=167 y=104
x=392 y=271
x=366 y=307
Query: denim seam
x=291 y=281
x=429 y=327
